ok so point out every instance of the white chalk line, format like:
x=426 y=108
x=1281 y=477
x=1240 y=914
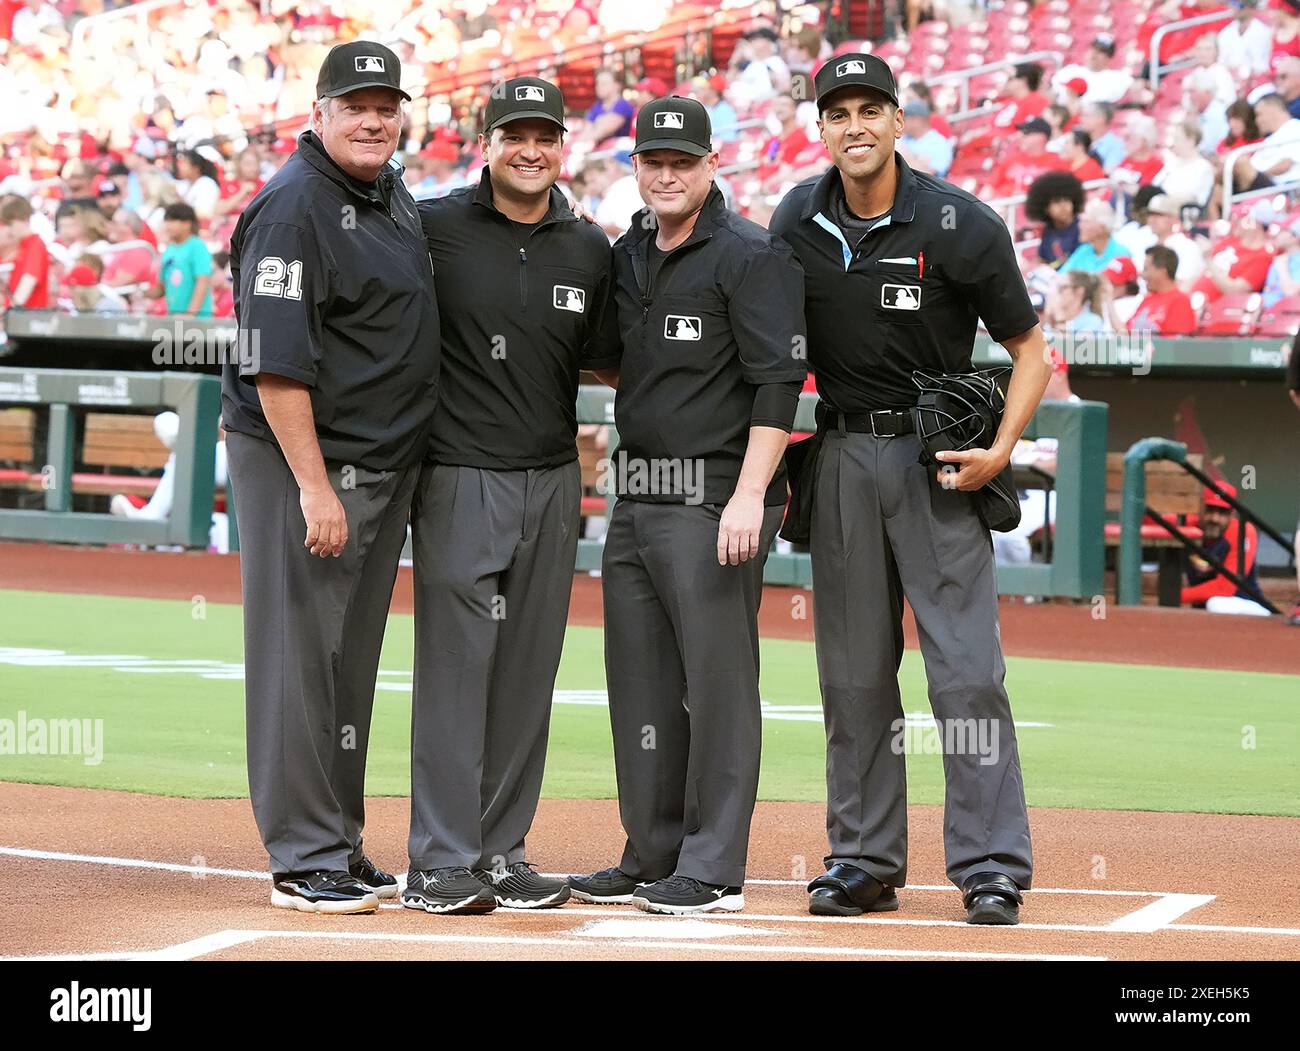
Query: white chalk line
x=188 y=950
x=203 y=870
x=1128 y=924
x=1160 y=914
x=224 y=939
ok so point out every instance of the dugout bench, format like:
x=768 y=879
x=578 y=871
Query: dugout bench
x=52 y=418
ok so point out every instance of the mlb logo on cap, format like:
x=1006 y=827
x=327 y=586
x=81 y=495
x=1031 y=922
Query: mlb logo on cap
x=370 y=64
x=529 y=93
x=670 y=119
x=849 y=68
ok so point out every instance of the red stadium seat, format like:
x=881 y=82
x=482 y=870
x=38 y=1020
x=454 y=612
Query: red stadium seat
x=1231 y=315
x=1281 y=319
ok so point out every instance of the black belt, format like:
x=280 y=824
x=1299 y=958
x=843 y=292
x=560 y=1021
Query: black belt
x=883 y=423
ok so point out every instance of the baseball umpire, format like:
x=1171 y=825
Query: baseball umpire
x=328 y=415
x=526 y=292
x=711 y=313
x=899 y=268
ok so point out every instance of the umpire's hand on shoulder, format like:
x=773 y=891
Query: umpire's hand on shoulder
x=975 y=467
x=327 y=525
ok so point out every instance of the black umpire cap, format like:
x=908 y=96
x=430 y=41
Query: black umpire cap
x=674 y=123
x=359 y=64
x=520 y=98
x=855 y=70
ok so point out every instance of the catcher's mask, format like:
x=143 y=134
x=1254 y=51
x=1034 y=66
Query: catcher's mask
x=958 y=411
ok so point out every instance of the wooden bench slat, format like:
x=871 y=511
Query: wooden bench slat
x=114 y=440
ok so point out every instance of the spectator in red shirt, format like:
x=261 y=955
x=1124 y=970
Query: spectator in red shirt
x=1238 y=263
x=1014 y=173
x=1222 y=537
x=1242 y=129
x=1026 y=101
x=1142 y=162
x=1166 y=310
x=223 y=293
x=1072 y=99
x=1286 y=31
x=779 y=153
x=240 y=191
x=1077 y=157
x=29 y=280
x=919 y=91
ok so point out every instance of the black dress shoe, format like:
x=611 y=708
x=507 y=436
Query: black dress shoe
x=991 y=898
x=847 y=890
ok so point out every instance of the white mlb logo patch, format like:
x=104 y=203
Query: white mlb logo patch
x=901 y=297
x=566 y=297
x=682 y=327
x=845 y=69
x=530 y=93
x=671 y=119
x=370 y=64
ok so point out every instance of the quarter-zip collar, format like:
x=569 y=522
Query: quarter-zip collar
x=904 y=207
x=557 y=210
x=636 y=242
x=819 y=210
x=313 y=152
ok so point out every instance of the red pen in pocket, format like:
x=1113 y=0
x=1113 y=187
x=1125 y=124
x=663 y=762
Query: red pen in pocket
x=920 y=266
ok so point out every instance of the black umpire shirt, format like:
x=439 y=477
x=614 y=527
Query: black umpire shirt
x=523 y=308
x=908 y=294
x=713 y=343
x=334 y=288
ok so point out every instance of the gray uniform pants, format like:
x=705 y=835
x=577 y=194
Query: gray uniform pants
x=312 y=633
x=681 y=660
x=494 y=553
x=882 y=528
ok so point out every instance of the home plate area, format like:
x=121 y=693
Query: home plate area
x=128 y=876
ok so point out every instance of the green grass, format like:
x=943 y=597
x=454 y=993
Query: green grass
x=1122 y=736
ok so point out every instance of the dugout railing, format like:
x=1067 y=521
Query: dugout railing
x=1134 y=510
x=59 y=397
x=1076 y=552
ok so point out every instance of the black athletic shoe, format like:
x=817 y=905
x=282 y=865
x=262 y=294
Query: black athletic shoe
x=610 y=886
x=991 y=898
x=449 y=890
x=373 y=878
x=680 y=895
x=329 y=892
x=517 y=886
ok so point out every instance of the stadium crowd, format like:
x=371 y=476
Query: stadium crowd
x=136 y=134
x=135 y=139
